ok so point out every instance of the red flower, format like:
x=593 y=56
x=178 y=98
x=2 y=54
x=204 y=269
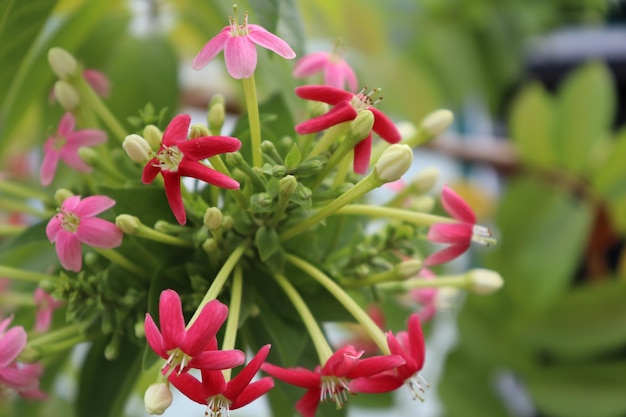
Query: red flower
x=221 y=396
x=346 y=108
x=179 y=157
x=332 y=380
x=189 y=348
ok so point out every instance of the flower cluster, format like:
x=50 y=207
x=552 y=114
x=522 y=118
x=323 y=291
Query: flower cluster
x=175 y=243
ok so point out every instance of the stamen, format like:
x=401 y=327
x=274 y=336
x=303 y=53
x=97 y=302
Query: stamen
x=482 y=235
x=218 y=406
x=417 y=385
x=362 y=101
x=335 y=389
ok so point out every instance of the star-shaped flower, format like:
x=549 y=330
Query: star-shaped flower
x=336 y=70
x=179 y=157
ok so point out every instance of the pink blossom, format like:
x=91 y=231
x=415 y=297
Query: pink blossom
x=425 y=297
x=458 y=235
x=331 y=381
x=64 y=145
x=98 y=81
x=179 y=157
x=239 y=45
x=23 y=378
x=192 y=347
x=336 y=71
x=45 y=307
x=75 y=223
x=346 y=108
x=221 y=396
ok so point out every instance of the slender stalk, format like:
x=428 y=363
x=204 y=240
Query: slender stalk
x=455 y=281
x=417 y=218
x=22 y=275
x=219 y=165
x=54 y=336
x=322 y=347
x=346 y=301
x=22 y=207
x=252 y=106
x=152 y=234
x=234 y=309
x=92 y=99
x=330 y=136
x=120 y=260
x=21 y=190
x=8 y=230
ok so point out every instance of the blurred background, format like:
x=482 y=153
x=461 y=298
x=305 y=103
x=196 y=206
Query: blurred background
x=537 y=148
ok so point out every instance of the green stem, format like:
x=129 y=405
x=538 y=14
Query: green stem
x=54 y=336
x=330 y=136
x=382 y=277
x=324 y=351
x=21 y=207
x=346 y=301
x=454 y=281
x=26 y=276
x=342 y=172
x=7 y=230
x=417 y=218
x=92 y=99
x=219 y=281
x=361 y=188
x=21 y=190
x=252 y=106
x=234 y=309
x=152 y=234
x=120 y=260
x=339 y=155
x=219 y=165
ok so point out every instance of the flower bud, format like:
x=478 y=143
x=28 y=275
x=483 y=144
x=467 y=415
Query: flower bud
x=63 y=64
x=61 y=194
x=287 y=186
x=269 y=149
x=316 y=108
x=310 y=166
x=213 y=218
x=422 y=203
x=137 y=148
x=484 y=281
x=228 y=222
x=128 y=224
x=361 y=126
x=409 y=268
x=89 y=155
x=199 y=131
x=153 y=136
x=279 y=171
x=394 y=162
x=216 y=116
x=157 y=398
x=437 y=122
x=66 y=95
x=425 y=180
x=210 y=245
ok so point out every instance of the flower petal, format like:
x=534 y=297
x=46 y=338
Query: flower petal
x=211 y=49
x=307 y=405
x=374 y=365
x=375 y=384
x=69 y=251
x=342 y=112
x=385 y=128
x=240 y=56
x=445 y=255
x=268 y=40
x=349 y=75
x=252 y=392
x=11 y=344
x=70 y=156
x=99 y=233
x=208 y=146
x=93 y=205
x=324 y=93
x=189 y=386
x=300 y=377
x=150 y=171
x=98 y=81
x=174 y=198
x=49 y=163
x=456 y=206
x=154 y=337
x=362 y=155
x=218 y=359
x=177 y=130
x=54 y=227
x=213 y=382
x=241 y=381
x=205 y=327
x=202 y=172
x=171 y=319
x=310 y=64
x=416 y=347
x=453 y=233
x=66 y=125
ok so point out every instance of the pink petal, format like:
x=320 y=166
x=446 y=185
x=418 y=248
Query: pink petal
x=456 y=206
x=241 y=381
x=324 y=93
x=86 y=137
x=93 y=205
x=300 y=377
x=99 y=233
x=213 y=382
x=217 y=359
x=252 y=392
x=153 y=336
x=15 y=378
x=70 y=203
x=342 y=112
x=375 y=384
x=69 y=251
x=98 y=81
x=70 y=156
x=208 y=146
x=205 y=327
x=307 y=405
x=454 y=233
x=417 y=349
x=362 y=155
x=445 y=255
x=4 y=324
x=211 y=49
x=267 y=40
x=150 y=171
x=202 y=172
x=66 y=125
x=177 y=130
x=174 y=198
x=333 y=76
x=11 y=344
x=189 y=386
x=374 y=365
x=54 y=227
x=49 y=163
x=240 y=56
x=310 y=64
x=385 y=128
x=171 y=319
x=349 y=75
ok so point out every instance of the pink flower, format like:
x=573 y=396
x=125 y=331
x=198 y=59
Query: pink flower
x=23 y=378
x=346 y=108
x=179 y=157
x=336 y=71
x=425 y=297
x=458 y=235
x=192 y=347
x=331 y=381
x=409 y=346
x=98 y=81
x=64 y=145
x=75 y=223
x=221 y=396
x=239 y=45
x=45 y=307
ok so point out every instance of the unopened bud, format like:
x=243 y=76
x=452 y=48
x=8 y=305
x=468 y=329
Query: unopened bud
x=269 y=149
x=484 y=281
x=216 y=116
x=287 y=186
x=63 y=64
x=361 y=126
x=66 y=95
x=409 y=268
x=89 y=155
x=423 y=203
x=128 y=224
x=137 y=148
x=210 y=245
x=61 y=194
x=279 y=171
x=157 y=398
x=425 y=180
x=316 y=108
x=394 y=162
x=437 y=122
x=153 y=136
x=213 y=218
x=406 y=129
x=228 y=222
x=199 y=131
x=310 y=166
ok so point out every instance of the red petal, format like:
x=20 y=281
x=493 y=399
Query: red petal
x=150 y=171
x=307 y=405
x=342 y=112
x=371 y=366
x=171 y=320
x=241 y=381
x=453 y=233
x=376 y=384
x=217 y=359
x=174 y=198
x=456 y=206
x=324 y=93
x=445 y=255
x=203 y=330
x=195 y=169
x=208 y=146
x=362 y=155
x=385 y=128
x=189 y=386
x=213 y=382
x=177 y=130
x=300 y=377
x=417 y=349
x=153 y=336
x=252 y=392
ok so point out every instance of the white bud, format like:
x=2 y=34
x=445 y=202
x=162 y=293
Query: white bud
x=437 y=122
x=66 y=95
x=157 y=398
x=128 y=224
x=62 y=62
x=425 y=180
x=137 y=148
x=484 y=281
x=394 y=162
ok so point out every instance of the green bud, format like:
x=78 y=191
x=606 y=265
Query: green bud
x=66 y=95
x=409 y=268
x=89 y=155
x=269 y=149
x=137 y=148
x=316 y=108
x=63 y=64
x=437 y=122
x=423 y=203
x=425 y=180
x=394 y=162
x=216 y=117
x=228 y=222
x=153 y=136
x=61 y=194
x=217 y=99
x=199 y=131
x=287 y=186
x=310 y=166
x=213 y=218
x=279 y=171
x=210 y=245
x=361 y=126
x=128 y=224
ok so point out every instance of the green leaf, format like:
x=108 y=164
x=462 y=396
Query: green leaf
x=294 y=157
x=580 y=390
x=282 y=18
x=586 y=110
x=266 y=240
x=532 y=122
x=610 y=179
x=585 y=322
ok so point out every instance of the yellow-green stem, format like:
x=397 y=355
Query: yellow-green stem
x=219 y=165
x=21 y=207
x=120 y=260
x=234 y=309
x=331 y=135
x=342 y=172
x=21 y=190
x=346 y=301
x=417 y=218
x=324 y=351
x=455 y=281
x=92 y=99
x=7 y=230
x=252 y=105
x=152 y=234
x=22 y=275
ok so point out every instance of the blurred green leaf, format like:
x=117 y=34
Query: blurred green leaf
x=266 y=240
x=594 y=389
x=610 y=179
x=532 y=124
x=586 y=321
x=586 y=110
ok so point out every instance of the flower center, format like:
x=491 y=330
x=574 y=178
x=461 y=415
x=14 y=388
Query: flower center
x=363 y=100
x=70 y=221
x=417 y=385
x=58 y=142
x=177 y=359
x=235 y=28
x=482 y=235
x=169 y=158
x=218 y=406
x=335 y=389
